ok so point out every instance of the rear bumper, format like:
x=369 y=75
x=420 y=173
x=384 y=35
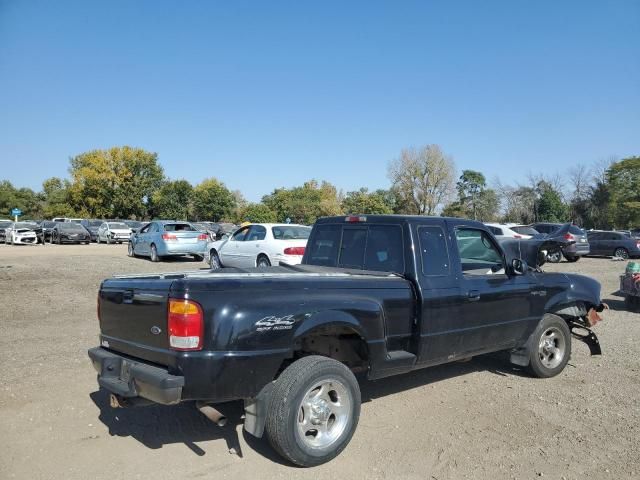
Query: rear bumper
x=182 y=249
x=577 y=250
x=131 y=378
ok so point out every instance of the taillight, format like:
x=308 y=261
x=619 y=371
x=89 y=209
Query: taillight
x=202 y=236
x=568 y=236
x=168 y=236
x=294 y=251
x=185 y=325
x=517 y=236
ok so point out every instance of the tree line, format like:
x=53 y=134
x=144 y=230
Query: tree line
x=129 y=183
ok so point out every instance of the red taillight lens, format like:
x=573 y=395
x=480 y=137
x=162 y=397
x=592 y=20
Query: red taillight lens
x=185 y=325
x=517 y=236
x=294 y=251
x=169 y=237
x=202 y=236
x=568 y=236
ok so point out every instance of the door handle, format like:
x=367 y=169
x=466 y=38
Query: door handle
x=473 y=295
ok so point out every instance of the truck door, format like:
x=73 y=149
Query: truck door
x=495 y=308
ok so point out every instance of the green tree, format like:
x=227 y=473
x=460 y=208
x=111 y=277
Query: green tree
x=549 y=206
x=118 y=182
x=172 y=200
x=256 y=213
x=306 y=203
x=212 y=200
x=363 y=201
x=470 y=186
x=56 y=198
x=624 y=192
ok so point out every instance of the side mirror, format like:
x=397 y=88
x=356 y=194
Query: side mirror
x=519 y=266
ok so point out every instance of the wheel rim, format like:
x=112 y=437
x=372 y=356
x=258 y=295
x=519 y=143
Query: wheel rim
x=552 y=347
x=323 y=414
x=621 y=253
x=554 y=257
x=130 y=248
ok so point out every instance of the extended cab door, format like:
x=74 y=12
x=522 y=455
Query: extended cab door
x=495 y=307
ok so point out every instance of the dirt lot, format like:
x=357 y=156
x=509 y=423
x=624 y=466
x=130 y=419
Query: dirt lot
x=481 y=419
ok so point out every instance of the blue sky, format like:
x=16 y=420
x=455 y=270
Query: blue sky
x=269 y=94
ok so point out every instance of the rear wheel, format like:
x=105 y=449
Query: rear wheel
x=263 y=262
x=154 y=253
x=550 y=348
x=130 y=251
x=621 y=253
x=554 y=257
x=313 y=410
x=214 y=260
x=58 y=239
x=572 y=259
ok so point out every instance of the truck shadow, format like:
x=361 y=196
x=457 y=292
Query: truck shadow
x=157 y=425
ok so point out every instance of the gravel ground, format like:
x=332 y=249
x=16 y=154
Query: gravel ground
x=480 y=419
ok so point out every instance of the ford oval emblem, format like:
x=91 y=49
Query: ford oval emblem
x=156 y=330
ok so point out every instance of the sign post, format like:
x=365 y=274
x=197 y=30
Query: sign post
x=16 y=212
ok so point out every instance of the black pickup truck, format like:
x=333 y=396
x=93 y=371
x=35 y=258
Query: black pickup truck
x=375 y=295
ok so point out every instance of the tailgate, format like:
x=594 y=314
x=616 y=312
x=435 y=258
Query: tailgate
x=133 y=318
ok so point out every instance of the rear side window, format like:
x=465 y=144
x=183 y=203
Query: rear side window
x=324 y=249
x=291 y=232
x=433 y=250
x=256 y=232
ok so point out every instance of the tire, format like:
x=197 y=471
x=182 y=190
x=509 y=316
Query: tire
x=621 y=253
x=550 y=347
x=130 y=251
x=572 y=259
x=214 y=261
x=554 y=257
x=198 y=258
x=154 y=253
x=291 y=421
x=59 y=240
x=108 y=240
x=263 y=261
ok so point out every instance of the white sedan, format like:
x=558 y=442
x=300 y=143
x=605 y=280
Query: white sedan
x=114 y=232
x=20 y=233
x=259 y=245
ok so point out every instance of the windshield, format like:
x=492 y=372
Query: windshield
x=71 y=227
x=290 y=232
x=179 y=227
x=48 y=224
x=118 y=225
x=4 y=224
x=23 y=225
x=525 y=230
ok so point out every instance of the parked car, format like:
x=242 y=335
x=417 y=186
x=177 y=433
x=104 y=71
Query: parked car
x=114 y=232
x=164 y=238
x=43 y=231
x=69 y=232
x=259 y=245
x=378 y=295
x=92 y=226
x=572 y=252
x=222 y=229
x=134 y=225
x=511 y=230
x=3 y=226
x=616 y=244
x=208 y=228
x=20 y=233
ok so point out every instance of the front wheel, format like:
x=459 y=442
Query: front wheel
x=313 y=411
x=550 y=348
x=130 y=250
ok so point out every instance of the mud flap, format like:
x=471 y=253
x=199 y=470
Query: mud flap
x=255 y=411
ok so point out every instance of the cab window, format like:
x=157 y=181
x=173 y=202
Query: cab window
x=478 y=254
x=433 y=251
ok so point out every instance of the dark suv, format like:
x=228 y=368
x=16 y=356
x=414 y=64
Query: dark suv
x=617 y=244
x=572 y=252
